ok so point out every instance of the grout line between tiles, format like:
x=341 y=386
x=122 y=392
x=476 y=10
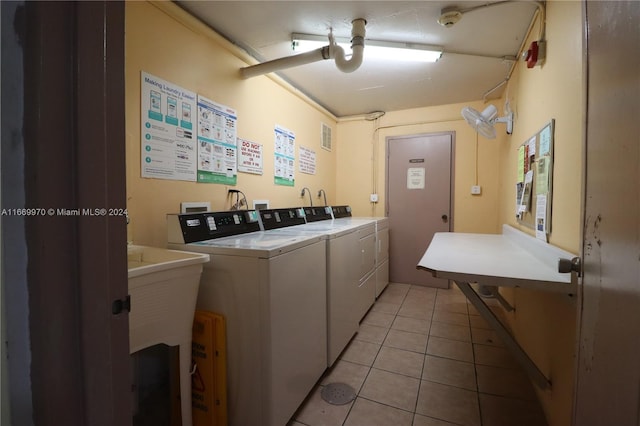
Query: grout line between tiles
x=430 y=303
x=415 y=407
x=373 y=362
x=382 y=403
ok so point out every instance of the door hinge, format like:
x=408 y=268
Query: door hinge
x=119 y=305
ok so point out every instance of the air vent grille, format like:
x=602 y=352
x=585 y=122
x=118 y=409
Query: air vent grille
x=325 y=134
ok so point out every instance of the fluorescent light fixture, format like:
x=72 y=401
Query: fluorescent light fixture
x=393 y=51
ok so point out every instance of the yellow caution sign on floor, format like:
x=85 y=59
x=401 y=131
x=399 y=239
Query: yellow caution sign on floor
x=209 y=378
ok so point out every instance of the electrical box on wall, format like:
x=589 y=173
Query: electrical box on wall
x=476 y=190
x=195 y=206
x=260 y=204
x=373 y=198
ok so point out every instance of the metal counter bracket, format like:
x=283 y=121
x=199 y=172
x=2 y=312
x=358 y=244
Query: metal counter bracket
x=521 y=356
x=496 y=294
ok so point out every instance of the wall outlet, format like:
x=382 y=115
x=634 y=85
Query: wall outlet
x=476 y=190
x=373 y=198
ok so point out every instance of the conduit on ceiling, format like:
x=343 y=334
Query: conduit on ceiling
x=331 y=51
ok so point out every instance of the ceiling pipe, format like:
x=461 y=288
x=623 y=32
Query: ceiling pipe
x=332 y=51
x=541 y=13
x=358 y=32
x=287 y=62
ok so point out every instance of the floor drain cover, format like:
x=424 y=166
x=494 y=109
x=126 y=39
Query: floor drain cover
x=338 y=393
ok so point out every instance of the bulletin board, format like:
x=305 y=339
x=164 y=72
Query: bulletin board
x=534 y=187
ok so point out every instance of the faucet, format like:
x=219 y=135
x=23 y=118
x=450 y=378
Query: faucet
x=325 y=196
x=308 y=192
x=239 y=202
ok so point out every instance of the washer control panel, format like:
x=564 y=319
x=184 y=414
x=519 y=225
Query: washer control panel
x=192 y=227
x=280 y=218
x=341 y=211
x=314 y=214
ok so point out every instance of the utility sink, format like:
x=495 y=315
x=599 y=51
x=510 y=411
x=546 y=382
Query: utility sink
x=163 y=286
x=142 y=260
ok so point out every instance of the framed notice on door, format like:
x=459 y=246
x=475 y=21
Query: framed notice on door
x=415 y=178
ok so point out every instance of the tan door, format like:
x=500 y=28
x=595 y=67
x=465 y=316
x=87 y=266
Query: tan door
x=608 y=366
x=418 y=202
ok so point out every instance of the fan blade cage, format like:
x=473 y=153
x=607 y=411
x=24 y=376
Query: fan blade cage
x=481 y=122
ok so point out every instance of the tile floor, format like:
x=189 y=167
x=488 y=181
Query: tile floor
x=424 y=357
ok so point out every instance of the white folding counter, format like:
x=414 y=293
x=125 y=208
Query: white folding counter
x=510 y=259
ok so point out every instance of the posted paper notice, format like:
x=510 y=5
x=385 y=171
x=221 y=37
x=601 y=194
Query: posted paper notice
x=168 y=143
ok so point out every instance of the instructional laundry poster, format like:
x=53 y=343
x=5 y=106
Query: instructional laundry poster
x=307 y=162
x=217 y=149
x=168 y=140
x=250 y=157
x=284 y=156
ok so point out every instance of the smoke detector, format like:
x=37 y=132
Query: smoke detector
x=449 y=16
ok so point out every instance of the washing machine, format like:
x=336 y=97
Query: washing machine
x=350 y=262
x=344 y=214
x=271 y=289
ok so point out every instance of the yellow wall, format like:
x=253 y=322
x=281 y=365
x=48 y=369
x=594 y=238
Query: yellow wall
x=164 y=41
x=362 y=161
x=539 y=94
x=544 y=323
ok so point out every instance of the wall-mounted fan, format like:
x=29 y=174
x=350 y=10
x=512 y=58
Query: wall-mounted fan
x=483 y=121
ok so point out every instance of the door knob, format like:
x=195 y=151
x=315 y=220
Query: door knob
x=445 y=218
x=569 y=265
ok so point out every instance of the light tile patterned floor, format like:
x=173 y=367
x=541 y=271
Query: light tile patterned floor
x=424 y=357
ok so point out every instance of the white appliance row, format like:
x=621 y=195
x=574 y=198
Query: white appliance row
x=357 y=264
x=382 y=248
x=292 y=297
x=343 y=214
x=350 y=276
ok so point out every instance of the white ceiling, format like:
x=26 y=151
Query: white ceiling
x=472 y=64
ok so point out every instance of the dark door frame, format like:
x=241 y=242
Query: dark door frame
x=74 y=136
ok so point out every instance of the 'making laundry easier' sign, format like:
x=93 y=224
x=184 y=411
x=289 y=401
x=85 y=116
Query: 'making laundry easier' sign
x=168 y=148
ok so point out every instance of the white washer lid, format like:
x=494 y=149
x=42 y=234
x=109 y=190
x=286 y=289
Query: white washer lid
x=262 y=244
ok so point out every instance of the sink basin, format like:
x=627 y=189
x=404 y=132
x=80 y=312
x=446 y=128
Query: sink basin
x=163 y=286
x=142 y=260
